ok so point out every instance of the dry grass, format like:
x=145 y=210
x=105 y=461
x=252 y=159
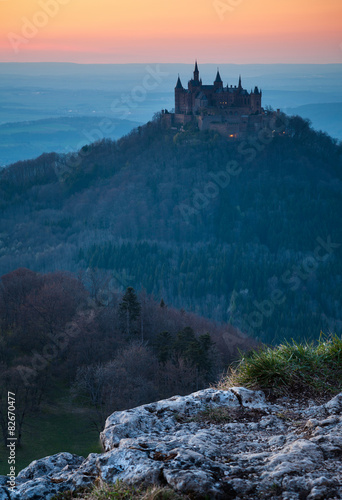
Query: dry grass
x=122 y=491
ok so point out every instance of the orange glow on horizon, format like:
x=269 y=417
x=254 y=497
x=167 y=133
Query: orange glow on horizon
x=246 y=31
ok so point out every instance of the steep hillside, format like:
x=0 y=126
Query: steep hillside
x=245 y=232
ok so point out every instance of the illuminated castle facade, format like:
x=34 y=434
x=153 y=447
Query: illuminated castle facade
x=231 y=110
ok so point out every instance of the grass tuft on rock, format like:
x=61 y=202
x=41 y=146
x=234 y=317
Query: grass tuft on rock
x=309 y=368
x=122 y=491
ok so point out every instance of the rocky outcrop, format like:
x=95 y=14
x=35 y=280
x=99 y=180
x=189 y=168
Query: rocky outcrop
x=223 y=444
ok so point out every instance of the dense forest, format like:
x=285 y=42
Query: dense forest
x=248 y=233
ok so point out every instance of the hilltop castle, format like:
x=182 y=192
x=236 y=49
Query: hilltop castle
x=230 y=110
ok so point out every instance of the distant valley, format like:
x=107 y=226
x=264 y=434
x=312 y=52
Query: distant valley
x=29 y=139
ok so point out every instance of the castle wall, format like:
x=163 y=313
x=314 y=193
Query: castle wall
x=182 y=119
x=230 y=127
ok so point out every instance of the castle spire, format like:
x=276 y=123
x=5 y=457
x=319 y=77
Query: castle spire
x=218 y=78
x=196 y=72
x=218 y=83
x=240 y=86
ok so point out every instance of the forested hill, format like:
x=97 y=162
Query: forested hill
x=247 y=232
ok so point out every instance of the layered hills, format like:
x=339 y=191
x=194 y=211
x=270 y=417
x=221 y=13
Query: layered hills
x=242 y=232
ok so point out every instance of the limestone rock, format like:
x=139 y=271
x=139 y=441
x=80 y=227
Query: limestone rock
x=334 y=405
x=161 y=416
x=4 y=493
x=46 y=466
x=223 y=444
x=46 y=477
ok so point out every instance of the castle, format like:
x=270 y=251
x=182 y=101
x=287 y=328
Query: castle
x=232 y=111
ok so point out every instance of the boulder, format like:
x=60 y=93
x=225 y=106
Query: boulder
x=220 y=444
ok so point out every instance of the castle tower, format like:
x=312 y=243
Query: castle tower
x=179 y=92
x=256 y=100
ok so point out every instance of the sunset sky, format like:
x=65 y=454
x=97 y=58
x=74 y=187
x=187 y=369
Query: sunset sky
x=220 y=31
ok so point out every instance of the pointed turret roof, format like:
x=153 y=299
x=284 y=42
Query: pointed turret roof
x=196 y=74
x=179 y=83
x=218 y=78
x=240 y=82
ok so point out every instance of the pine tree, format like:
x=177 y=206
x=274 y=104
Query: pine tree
x=129 y=310
x=163 y=345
